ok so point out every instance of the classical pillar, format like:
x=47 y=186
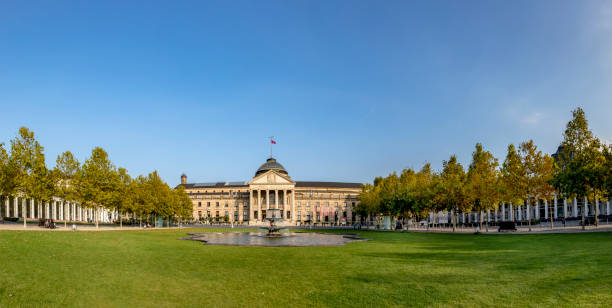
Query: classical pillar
x=536 y=210
x=16 y=206
x=267 y=199
x=496 y=213
x=608 y=208
x=586 y=206
x=258 y=204
x=511 y=213
x=564 y=208
x=54 y=210
x=555 y=211
x=32 y=204
x=8 y=207
x=528 y=216
x=462 y=217
x=294 y=217
x=250 y=203
x=285 y=207
x=503 y=212
x=488 y=215
x=545 y=209
x=575 y=207
x=276 y=198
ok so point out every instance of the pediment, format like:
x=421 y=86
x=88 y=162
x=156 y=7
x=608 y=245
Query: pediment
x=271 y=178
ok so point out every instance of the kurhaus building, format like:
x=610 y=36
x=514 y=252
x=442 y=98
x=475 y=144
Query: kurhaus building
x=300 y=202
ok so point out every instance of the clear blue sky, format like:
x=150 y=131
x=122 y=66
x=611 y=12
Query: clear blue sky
x=351 y=89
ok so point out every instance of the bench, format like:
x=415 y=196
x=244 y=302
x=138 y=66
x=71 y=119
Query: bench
x=506 y=226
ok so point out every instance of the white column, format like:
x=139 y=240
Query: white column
x=608 y=208
x=8 y=207
x=555 y=209
x=564 y=208
x=503 y=212
x=488 y=215
x=462 y=217
x=546 y=209
x=276 y=198
x=528 y=211
x=16 y=206
x=54 y=209
x=575 y=207
x=511 y=212
x=32 y=204
x=536 y=210
x=586 y=206
x=293 y=216
x=496 y=213
x=267 y=199
x=258 y=204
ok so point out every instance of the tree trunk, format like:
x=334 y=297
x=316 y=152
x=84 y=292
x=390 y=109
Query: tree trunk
x=596 y=211
x=583 y=210
x=455 y=220
x=551 y=213
x=140 y=221
x=120 y=220
x=480 y=219
x=25 y=214
x=528 y=206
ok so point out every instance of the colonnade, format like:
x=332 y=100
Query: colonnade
x=566 y=209
x=283 y=199
x=59 y=210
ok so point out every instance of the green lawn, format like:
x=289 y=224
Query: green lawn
x=154 y=268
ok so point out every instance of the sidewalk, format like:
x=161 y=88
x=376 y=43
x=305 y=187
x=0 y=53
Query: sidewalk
x=12 y=226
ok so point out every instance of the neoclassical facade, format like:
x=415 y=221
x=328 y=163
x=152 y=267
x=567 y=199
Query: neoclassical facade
x=300 y=202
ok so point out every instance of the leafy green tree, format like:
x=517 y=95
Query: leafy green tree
x=580 y=162
x=32 y=177
x=97 y=182
x=482 y=179
x=452 y=190
x=65 y=171
x=513 y=177
x=538 y=175
x=8 y=175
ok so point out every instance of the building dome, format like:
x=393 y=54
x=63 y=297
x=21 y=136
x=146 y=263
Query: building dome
x=271 y=164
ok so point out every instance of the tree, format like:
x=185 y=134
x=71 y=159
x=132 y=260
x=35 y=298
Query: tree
x=513 y=177
x=538 y=175
x=65 y=171
x=33 y=179
x=97 y=183
x=124 y=196
x=452 y=190
x=579 y=162
x=482 y=179
x=8 y=174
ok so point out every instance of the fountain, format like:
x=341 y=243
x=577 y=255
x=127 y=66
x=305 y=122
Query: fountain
x=273 y=236
x=272 y=216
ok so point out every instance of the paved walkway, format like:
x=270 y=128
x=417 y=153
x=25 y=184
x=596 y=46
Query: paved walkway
x=537 y=229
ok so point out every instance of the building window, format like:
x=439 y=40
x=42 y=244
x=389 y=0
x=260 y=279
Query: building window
x=299 y=204
x=226 y=214
x=307 y=204
x=256 y=215
x=199 y=214
x=236 y=204
x=245 y=215
x=299 y=216
x=217 y=203
x=217 y=214
x=344 y=204
x=288 y=215
x=226 y=204
x=199 y=204
x=336 y=204
x=207 y=204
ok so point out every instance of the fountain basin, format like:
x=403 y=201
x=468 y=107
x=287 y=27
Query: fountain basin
x=286 y=239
